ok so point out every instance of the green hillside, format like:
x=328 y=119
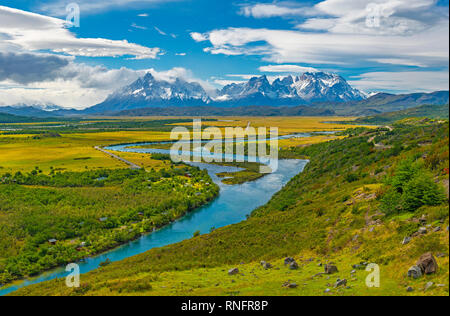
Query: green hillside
x=424 y=111
x=355 y=203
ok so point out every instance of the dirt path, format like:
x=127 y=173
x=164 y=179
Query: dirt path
x=132 y=165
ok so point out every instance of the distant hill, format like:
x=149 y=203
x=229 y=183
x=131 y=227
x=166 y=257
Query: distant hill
x=195 y=105
x=235 y=111
x=428 y=111
x=384 y=102
x=9 y=118
x=37 y=111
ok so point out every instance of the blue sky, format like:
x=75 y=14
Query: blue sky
x=379 y=45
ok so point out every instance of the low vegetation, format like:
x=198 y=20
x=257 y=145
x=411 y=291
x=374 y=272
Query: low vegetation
x=356 y=201
x=47 y=220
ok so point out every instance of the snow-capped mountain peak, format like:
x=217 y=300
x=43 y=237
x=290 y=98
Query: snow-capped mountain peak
x=149 y=91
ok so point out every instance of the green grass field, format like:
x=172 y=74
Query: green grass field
x=355 y=202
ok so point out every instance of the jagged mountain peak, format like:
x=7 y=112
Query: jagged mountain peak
x=149 y=91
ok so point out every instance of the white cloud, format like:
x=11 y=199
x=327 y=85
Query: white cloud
x=285 y=46
x=287 y=69
x=180 y=54
x=273 y=10
x=160 y=32
x=58 y=7
x=143 y=15
x=134 y=25
x=33 y=32
x=80 y=85
x=198 y=37
x=356 y=17
x=417 y=81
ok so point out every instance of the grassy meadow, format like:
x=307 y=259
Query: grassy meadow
x=362 y=193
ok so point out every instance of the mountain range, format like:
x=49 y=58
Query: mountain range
x=322 y=93
x=288 y=91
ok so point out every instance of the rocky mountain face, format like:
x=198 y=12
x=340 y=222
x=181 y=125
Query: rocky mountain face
x=291 y=91
x=149 y=92
x=308 y=88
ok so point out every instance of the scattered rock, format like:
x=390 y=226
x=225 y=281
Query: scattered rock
x=233 y=271
x=266 y=265
x=293 y=266
x=289 y=260
x=320 y=264
x=423 y=220
x=353 y=272
x=327 y=291
x=422 y=230
x=437 y=229
x=406 y=240
x=330 y=269
x=440 y=255
x=428 y=286
x=415 y=272
x=427 y=263
x=290 y=285
x=340 y=283
x=409 y=289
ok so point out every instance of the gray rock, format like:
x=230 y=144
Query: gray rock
x=409 y=289
x=290 y=285
x=353 y=272
x=330 y=269
x=266 y=265
x=327 y=291
x=422 y=230
x=428 y=286
x=340 y=283
x=437 y=229
x=415 y=272
x=289 y=260
x=233 y=271
x=293 y=266
x=406 y=240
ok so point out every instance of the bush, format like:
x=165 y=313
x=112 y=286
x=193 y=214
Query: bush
x=420 y=191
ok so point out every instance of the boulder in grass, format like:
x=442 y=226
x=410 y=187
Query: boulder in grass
x=406 y=240
x=415 y=272
x=289 y=260
x=293 y=266
x=340 y=283
x=233 y=271
x=428 y=264
x=330 y=269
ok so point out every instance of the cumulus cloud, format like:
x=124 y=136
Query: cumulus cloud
x=25 y=68
x=79 y=85
x=33 y=32
x=198 y=37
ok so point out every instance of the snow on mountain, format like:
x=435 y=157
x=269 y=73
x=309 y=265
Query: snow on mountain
x=308 y=88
